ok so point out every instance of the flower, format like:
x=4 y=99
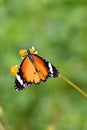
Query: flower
x=14 y=70
x=32 y=50
x=23 y=53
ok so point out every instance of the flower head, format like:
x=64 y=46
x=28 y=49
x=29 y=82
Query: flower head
x=14 y=70
x=32 y=50
x=23 y=53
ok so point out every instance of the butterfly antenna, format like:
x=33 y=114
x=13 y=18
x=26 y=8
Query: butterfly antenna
x=73 y=85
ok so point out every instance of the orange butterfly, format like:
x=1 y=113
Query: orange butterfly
x=33 y=69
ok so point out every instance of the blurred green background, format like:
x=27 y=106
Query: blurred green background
x=58 y=31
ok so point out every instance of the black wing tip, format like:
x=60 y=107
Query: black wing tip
x=19 y=87
x=53 y=72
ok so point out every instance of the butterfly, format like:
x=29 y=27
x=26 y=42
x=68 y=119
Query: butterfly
x=33 y=70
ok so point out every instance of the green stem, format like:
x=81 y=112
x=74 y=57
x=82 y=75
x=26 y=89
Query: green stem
x=74 y=85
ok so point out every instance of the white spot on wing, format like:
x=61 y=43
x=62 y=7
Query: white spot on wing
x=51 y=69
x=19 y=79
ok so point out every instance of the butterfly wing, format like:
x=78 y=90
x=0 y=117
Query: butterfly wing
x=44 y=68
x=33 y=69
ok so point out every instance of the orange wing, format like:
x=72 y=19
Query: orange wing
x=29 y=72
x=41 y=68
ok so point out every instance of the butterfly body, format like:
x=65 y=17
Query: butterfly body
x=30 y=56
x=33 y=69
